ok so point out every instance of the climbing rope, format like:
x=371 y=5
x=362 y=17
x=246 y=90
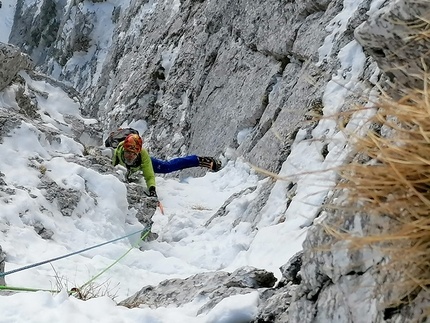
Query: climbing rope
x=147 y=229
x=145 y=233
x=70 y=254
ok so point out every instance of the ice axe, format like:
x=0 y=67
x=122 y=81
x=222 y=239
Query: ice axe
x=159 y=203
x=161 y=207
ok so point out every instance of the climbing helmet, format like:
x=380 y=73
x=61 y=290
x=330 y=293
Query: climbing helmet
x=133 y=143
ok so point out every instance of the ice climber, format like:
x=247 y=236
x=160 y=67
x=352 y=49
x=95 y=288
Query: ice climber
x=134 y=157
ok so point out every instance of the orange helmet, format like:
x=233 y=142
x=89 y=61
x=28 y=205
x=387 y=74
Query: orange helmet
x=133 y=143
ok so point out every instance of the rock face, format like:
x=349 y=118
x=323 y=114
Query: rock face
x=340 y=284
x=193 y=69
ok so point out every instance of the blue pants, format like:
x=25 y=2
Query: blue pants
x=173 y=165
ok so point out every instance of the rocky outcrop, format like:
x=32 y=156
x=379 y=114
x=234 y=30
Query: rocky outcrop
x=12 y=60
x=341 y=282
x=212 y=286
x=144 y=205
x=394 y=38
x=275 y=302
x=336 y=280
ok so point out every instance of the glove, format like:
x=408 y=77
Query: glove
x=127 y=176
x=152 y=192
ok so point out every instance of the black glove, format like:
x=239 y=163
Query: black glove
x=127 y=176
x=152 y=192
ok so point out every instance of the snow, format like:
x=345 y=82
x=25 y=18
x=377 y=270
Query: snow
x=242 y=134
x=375 y=6
x=168 y=58
x=337 y=27
x=186 y=245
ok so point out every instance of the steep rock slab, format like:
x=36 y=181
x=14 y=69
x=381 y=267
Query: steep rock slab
x=189 y=70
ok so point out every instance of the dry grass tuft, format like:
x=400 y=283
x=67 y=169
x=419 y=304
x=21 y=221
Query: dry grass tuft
x=85 y=292
x=200 y=208
x=394 y=182
x=94 y=290
x=391 y=181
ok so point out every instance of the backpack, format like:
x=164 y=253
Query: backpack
x=115 y=137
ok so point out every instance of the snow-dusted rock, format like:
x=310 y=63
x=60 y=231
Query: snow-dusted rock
x=12 y=60
x=25 y=109
x=145 y=206
x=392 y=37
x=210 y=288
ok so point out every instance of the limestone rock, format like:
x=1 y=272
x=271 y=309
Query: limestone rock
x=66 y=199
x=290 y=271
x=212 y=286
x=45 y=233
x=144 y=205
x=12 y=60
x=392 y=36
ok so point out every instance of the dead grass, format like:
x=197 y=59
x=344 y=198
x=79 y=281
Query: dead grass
x=94 y=290
x=85 y=292
x=395 y=183
x=391 y=179
x=200 y=208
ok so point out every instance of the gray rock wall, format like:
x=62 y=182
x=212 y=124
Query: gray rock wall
x=341 y=283
x=191 y=72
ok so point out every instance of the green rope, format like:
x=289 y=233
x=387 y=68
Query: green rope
x=23 y=289
x=115 y=262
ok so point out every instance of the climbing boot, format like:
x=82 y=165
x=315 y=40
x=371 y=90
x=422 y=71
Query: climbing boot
x=210 y=162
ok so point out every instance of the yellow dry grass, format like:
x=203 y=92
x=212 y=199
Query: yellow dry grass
x=395 y=184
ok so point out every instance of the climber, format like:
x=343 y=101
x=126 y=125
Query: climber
x=129 y=153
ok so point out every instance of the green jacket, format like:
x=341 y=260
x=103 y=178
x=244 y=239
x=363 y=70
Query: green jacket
x=142 y=162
